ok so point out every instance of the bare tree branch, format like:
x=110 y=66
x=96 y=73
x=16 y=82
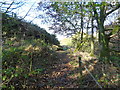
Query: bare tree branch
x=29 y=10
x=9 y=6
x=117 y=7
x=17 y=7
x=33 y=19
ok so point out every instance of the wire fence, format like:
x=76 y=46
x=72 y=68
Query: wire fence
x=80 y=64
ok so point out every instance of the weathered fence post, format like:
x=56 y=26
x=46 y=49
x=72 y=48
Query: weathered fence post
x=80 y=69
x=80 y=64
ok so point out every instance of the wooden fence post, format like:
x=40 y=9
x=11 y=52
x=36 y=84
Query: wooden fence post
x=80 y=64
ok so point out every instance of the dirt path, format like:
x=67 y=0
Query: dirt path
x=61 y=73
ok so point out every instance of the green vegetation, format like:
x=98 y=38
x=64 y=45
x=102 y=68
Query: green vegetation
x=88 y=57
x=22 y=48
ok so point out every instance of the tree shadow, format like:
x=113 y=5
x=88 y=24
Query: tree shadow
x=58 y=73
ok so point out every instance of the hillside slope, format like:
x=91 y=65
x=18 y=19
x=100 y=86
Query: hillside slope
x=24 y=44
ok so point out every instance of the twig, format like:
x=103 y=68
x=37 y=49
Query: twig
x=9 y=6
x=87 y=84
x=7 y=81
x=29 y=10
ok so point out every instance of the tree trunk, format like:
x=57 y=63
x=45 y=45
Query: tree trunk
x=92 y=38
x=100 y=16
x=81 y=23
x=103 y=42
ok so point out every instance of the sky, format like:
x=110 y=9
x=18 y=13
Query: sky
x=33 y=13
x=21 y=12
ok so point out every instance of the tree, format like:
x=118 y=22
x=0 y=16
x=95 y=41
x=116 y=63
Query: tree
x=92 y=37
x=8 y=7
x=64 y=16
x=100 y=16
x=64 y=12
